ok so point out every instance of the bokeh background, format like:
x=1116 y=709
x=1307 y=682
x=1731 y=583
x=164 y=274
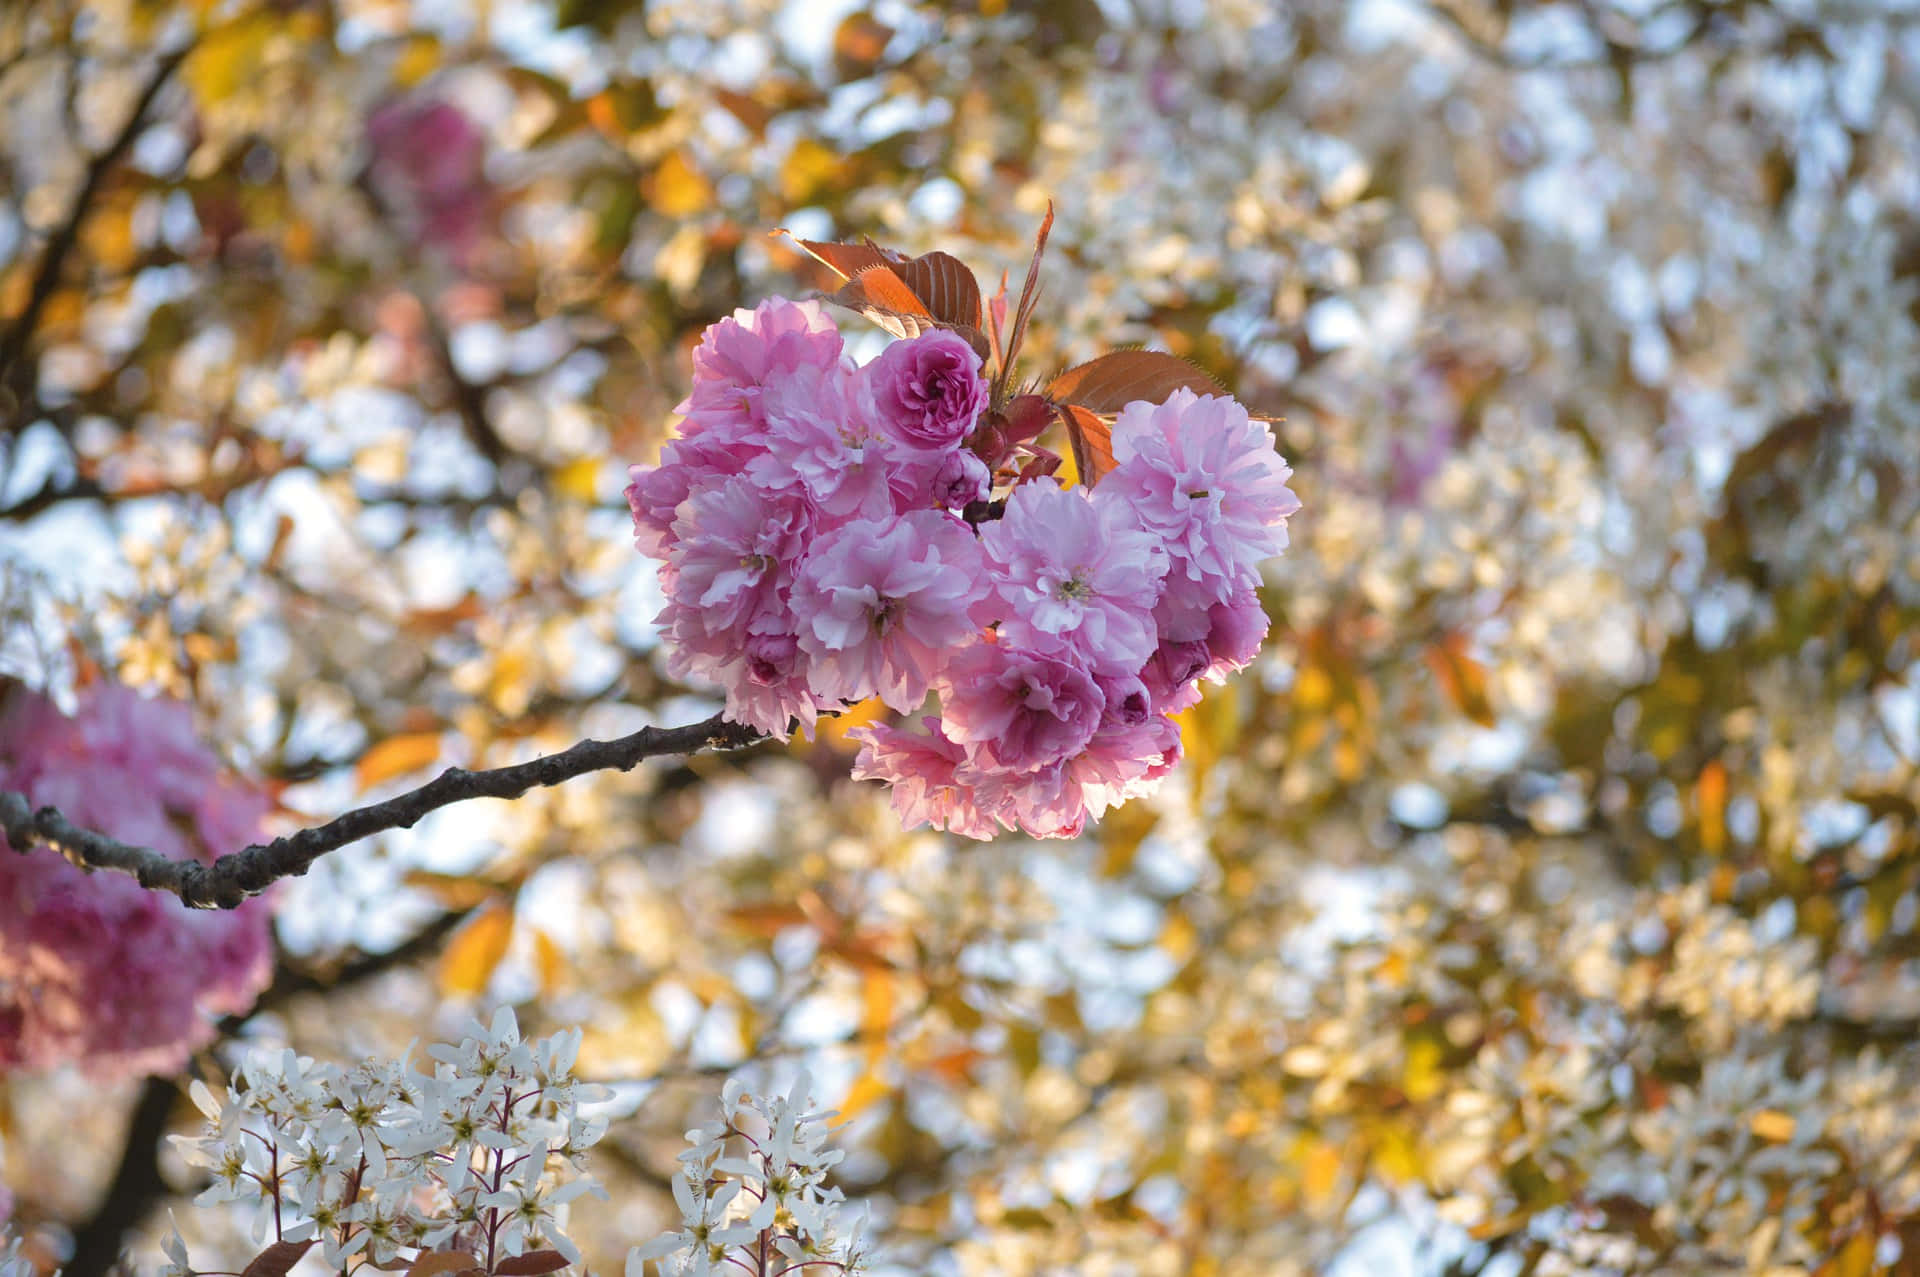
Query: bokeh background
x=1542 y=902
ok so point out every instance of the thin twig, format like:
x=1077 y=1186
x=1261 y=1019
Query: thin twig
x=46 y=279
x=228 y=881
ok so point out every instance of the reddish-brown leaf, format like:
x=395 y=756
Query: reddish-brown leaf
x=531 y=1264
x=277 y=1259
x=1113 y=381
x=1092 y=438
x=946 y=287
x=882 y=296
x=1029 y=297
x=435 y=1262
x=1025 y=416
x=847 y=260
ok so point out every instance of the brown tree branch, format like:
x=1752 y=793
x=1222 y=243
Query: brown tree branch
x=46 y=278
x=232 y=878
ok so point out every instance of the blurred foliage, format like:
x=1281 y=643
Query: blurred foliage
x=1544 y=901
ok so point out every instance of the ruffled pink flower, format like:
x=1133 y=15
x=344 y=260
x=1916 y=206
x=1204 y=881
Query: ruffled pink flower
x=1019 y=709
x=1117 y=763
x=881 y=603
x=95 y=969
x=818 y=441
x=927 y=390
x=686 y=465
x=740 y=357
x=1070 y=574
x=1231 y=638
x=736 y=550
x=764 y=674
x=1204 y=479
x=925 y=772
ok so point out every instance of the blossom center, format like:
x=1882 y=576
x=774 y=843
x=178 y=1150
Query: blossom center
x=1075 y=589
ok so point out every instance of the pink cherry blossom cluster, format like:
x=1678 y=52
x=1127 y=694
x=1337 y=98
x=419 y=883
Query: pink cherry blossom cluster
x=94 y=968
x=830 y=532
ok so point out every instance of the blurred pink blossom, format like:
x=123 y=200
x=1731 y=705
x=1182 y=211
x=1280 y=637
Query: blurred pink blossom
x=96 y=970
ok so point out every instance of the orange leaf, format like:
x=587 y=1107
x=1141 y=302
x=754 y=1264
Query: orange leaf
x=884 y=297
x=1092 y=438
x=396 y=756
x=475 y=950
x=1710 y=794
x=1113 y=381
x=766 y=919
x=1463 y=680
x=847 y=260
x=434 y=1262
x=859 y=44
x=276 y=1259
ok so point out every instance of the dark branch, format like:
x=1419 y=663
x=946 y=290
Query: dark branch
x=46 y=279
x=232 y=878
x=52 y=493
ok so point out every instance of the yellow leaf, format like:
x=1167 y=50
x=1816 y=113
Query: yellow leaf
x=420 y=59
x=1423 y=1077
x=578 y=479
x=396 y=756
x=677 y=189
x=475 y=950
x=1210 y=730
x=809 y=166
x=552 y=963
x=1320 y=1166
x=228 y=57
x=1855 y=1259
x=865 y=1091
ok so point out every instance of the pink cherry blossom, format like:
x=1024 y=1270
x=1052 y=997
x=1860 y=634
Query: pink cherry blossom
x=881 y=603
x=1117 y=763
x=740 y=357
x=927 y=390
x=818 y=440
x=1021 y=710
x=764 y=675
x=1204 y=479
x=1231 y=635
x=95 y=969
x=736 y=548
x=928 y=777
x=811 y=555
x=1068 y=573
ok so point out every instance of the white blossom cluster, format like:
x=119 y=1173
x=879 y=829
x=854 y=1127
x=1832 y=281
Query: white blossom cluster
x=480 y=1156
x=753 y=1195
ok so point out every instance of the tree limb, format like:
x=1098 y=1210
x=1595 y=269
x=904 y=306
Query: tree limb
x=46 y=278
x=228 y=881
